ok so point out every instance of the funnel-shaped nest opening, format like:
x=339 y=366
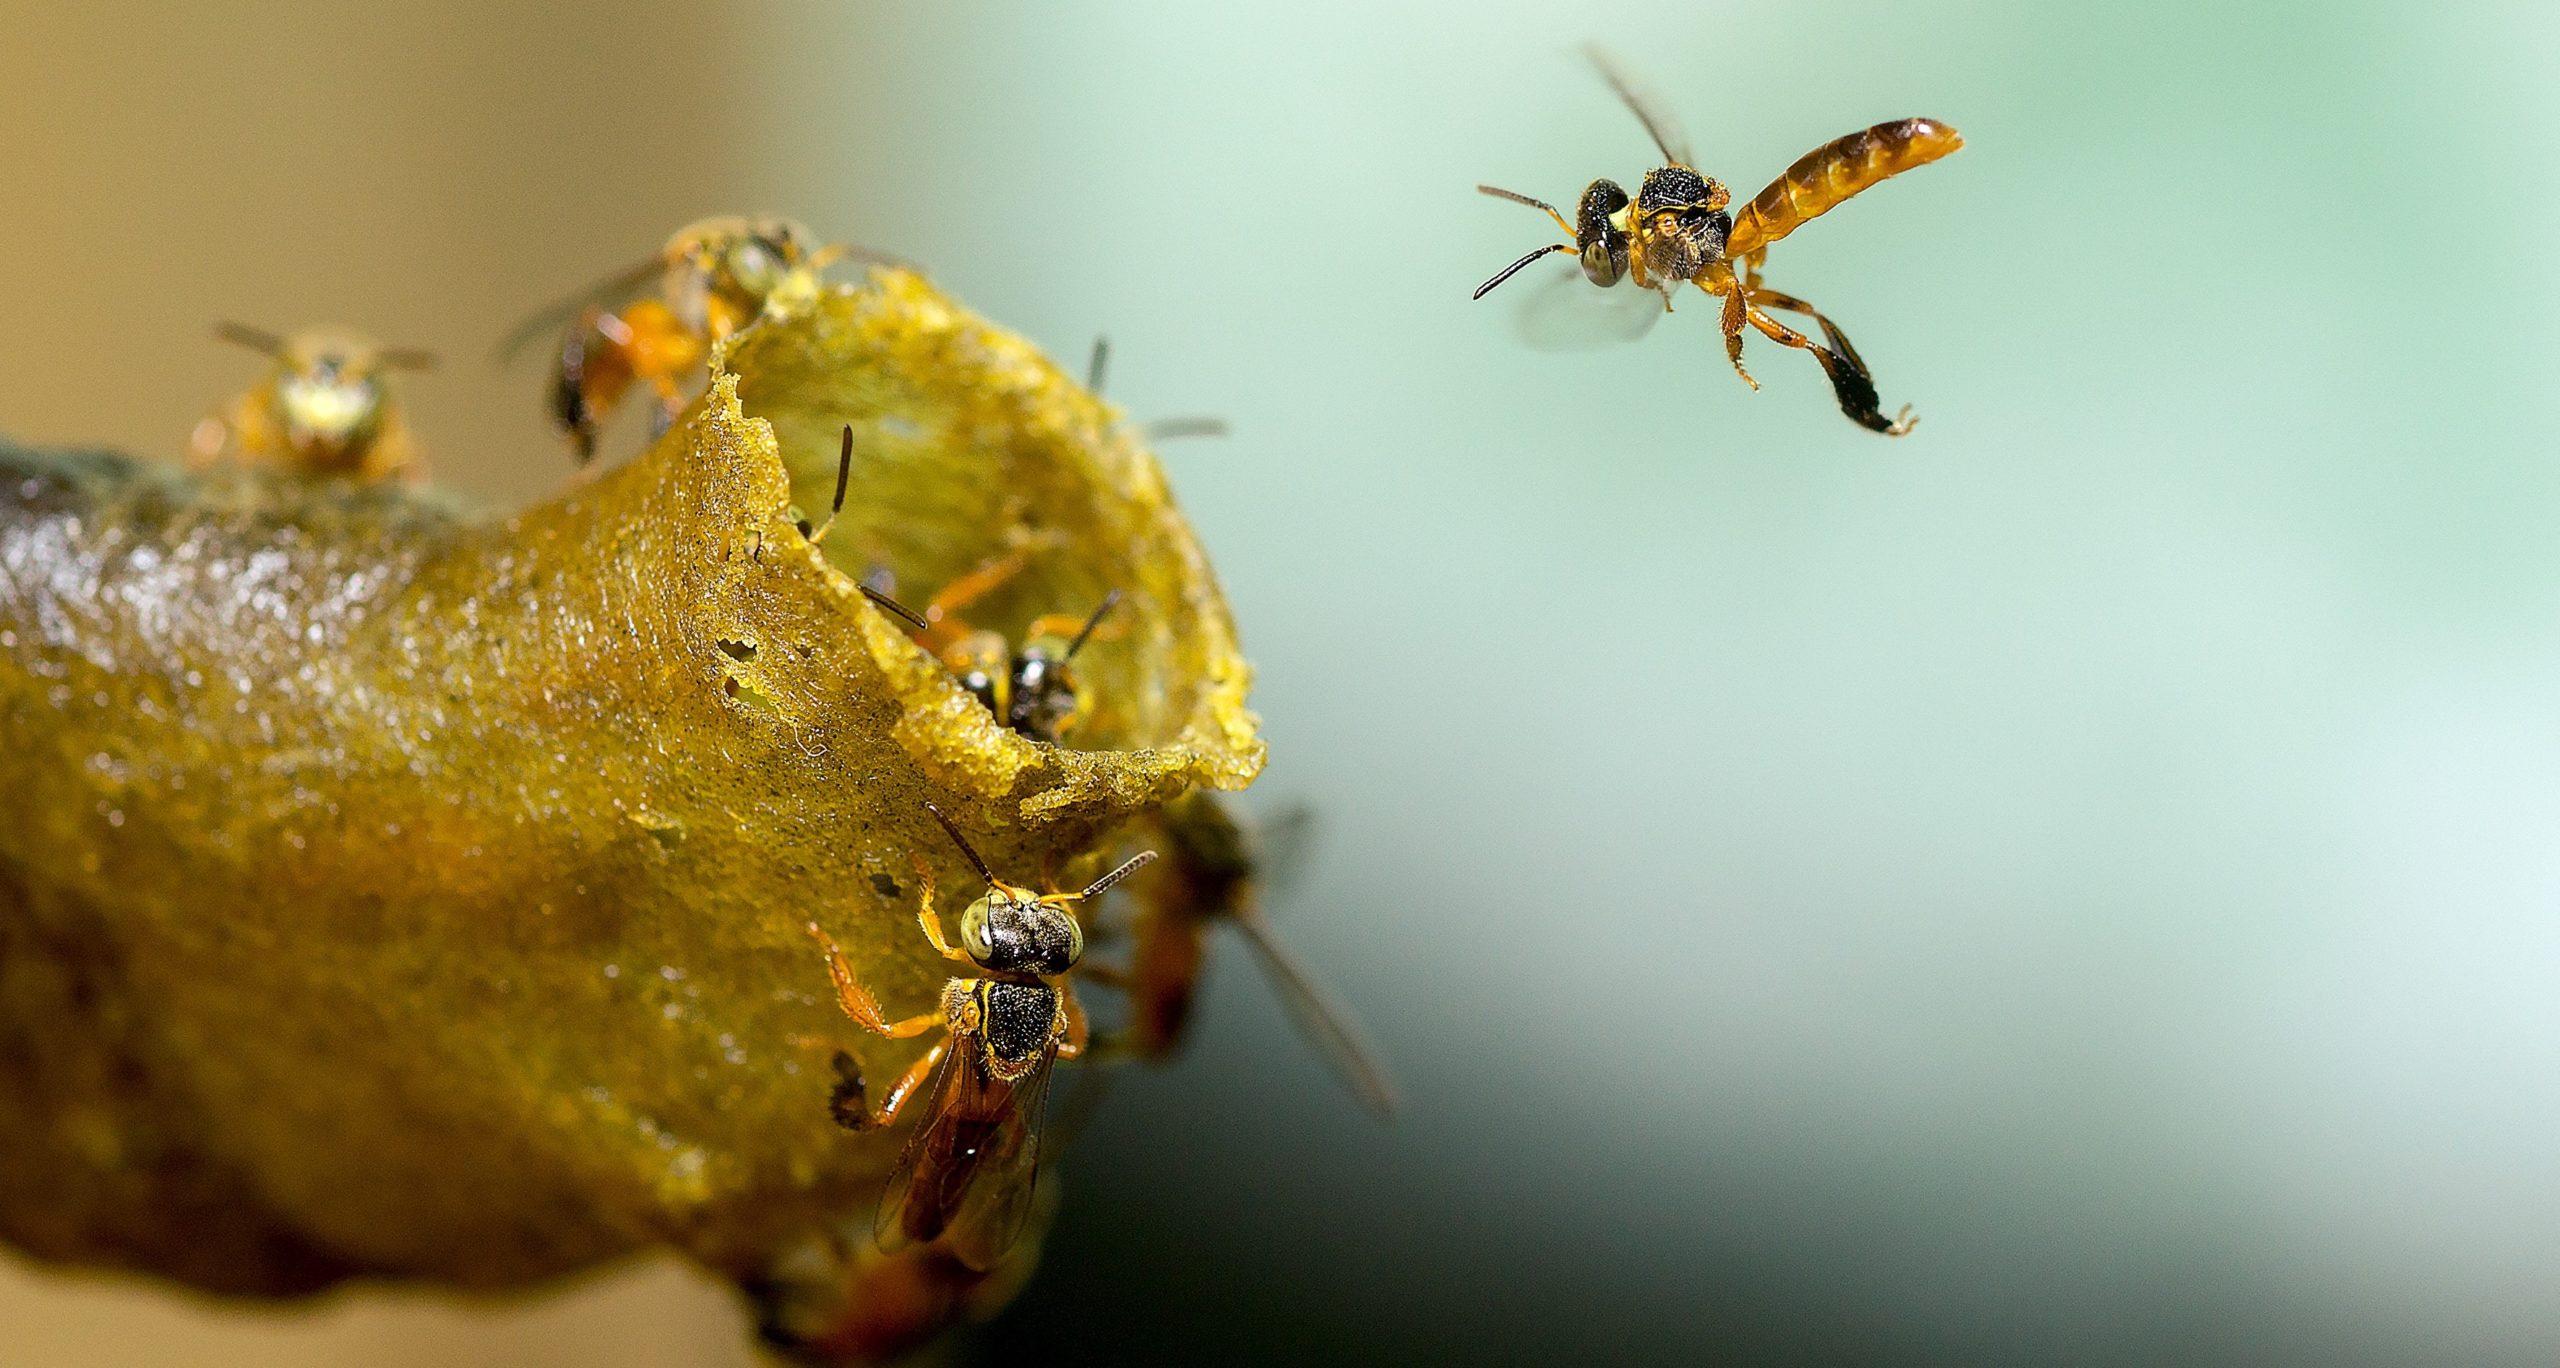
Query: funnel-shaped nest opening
x=971 y=450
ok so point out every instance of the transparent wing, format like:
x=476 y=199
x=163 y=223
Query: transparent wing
x=1563 y=311
x=1666 y=131
x=966 y=1177
x=1325 y=1022
x=1284 y=842
x=999 y=1205
x=611 y=292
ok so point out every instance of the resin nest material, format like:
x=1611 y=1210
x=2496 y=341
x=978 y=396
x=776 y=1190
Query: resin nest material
x=386 y=891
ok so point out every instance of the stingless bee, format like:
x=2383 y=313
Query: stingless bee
x=713 y=277
x=1216 y=868
x=966 y=1178
x=1677 y=230
x=324 y=408
x=1032 y=688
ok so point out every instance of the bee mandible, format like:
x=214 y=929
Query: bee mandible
x=1677 y=230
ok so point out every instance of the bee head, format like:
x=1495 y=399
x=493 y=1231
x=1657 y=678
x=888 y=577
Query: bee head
x=1600 y=233
x=1014 y=931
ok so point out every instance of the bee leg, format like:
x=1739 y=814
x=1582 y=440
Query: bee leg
x=1850 y=382
x=856 y=1000
x=1737 y=306
x=943 y=609
x=1079 y=1028
x=1066 y=625
x=926 y=918
x=903 y=1088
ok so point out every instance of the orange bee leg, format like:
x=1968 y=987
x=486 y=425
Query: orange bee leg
x=943 y=609
x=1850 y=382
x=1731 y=321
x=1079 y=1028
x=926 y=918
x=1067 y=625
x=905 y=1087
x=856 y=1000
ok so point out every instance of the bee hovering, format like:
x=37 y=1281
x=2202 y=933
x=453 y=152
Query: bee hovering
x=324 y=408
x=967 y=1176
x=713 y=277
x=1677 y=230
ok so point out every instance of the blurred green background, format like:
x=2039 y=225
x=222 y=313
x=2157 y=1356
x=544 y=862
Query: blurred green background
x=2074 y=885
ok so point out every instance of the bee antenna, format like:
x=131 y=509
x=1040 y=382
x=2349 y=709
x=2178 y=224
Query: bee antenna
x=1100 y=363
x=1128 y=867
x=1517 y=198
x=1518 y=266
x=896 y=609
x=844 y=472
x=255 y=339
x=1109 y=602
x=963 y=842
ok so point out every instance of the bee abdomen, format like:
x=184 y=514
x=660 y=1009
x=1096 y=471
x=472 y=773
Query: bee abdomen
x=1824 y=177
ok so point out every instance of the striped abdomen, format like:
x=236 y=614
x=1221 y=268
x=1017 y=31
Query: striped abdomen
x=1833 y=172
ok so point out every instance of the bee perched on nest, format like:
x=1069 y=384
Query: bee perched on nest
x=324 y=408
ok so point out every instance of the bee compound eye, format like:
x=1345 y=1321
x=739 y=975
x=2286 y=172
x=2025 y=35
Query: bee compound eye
x=974 y=930
x=1600 y=264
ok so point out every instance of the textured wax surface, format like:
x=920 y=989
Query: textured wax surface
x=385 y=890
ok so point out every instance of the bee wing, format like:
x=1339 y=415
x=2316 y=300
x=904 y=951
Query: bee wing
x=1283 y=842
x=1564 y=311
x=1648 y=110
x=1001 y=1198
x=956 y=1180
x=1326 y=1022
x=611 y=292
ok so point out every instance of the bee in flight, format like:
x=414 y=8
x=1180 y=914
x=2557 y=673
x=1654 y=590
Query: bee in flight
x=713 y=277
x=1677 y=230
x=324 y=408
x=966 y=1177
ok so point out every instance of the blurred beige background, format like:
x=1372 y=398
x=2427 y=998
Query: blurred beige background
x=425 y=173
x=2072 y=886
